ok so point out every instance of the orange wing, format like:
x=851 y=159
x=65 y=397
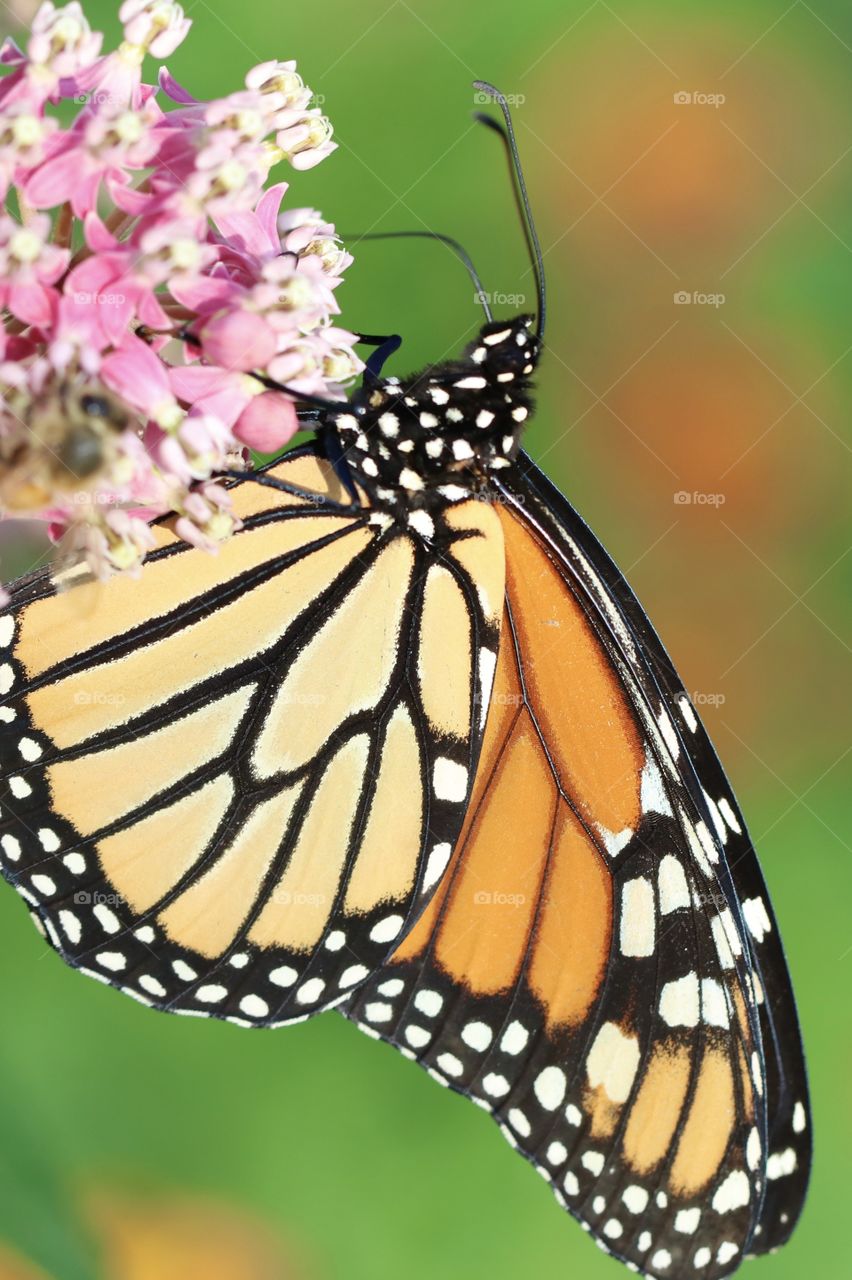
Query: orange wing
x=200 y=773
x=579 y=973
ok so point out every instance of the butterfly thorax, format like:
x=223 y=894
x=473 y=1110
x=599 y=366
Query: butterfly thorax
x=432 y=439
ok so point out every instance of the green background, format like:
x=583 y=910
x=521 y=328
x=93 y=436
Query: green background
x=353 y=1159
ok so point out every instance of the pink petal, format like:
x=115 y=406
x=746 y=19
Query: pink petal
x=308 y=159
x=136 y=374
x=191 y=382
x=127 y=198
x=173 y=90
x=115 y=309
x=242 y=229
x=91 y=275
x=33 y=303
x=239 y=340
x=267 y=210
x=11 y=54
x=267 y=422
x=205 y=293
x=151 y=313
x=54 y=180
x=84 y=194
x=98 y=238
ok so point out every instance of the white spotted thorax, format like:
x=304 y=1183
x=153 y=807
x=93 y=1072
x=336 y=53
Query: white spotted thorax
x=433 y=438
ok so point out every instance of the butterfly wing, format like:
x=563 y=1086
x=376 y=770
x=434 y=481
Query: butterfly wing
x=789 y=1138
x=584 y=972
x=202 y=773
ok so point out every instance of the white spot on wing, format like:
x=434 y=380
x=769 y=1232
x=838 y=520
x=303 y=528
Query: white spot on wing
x=674 y=891
x=348 y=978
x=687 y=1220
x=515 y=1038
x=429 y=1002
x=487 y=667
x=637 y=931
x=387 y=930
x=669 y=733
x=71 y=926
x=449 y=780
x=613 y=1061
x=421 y=522
x=549 y=1087
x=733 y=1193
x=636 y=1199
x=686 y=710
x=721 y=829
x=754 y=913
x=653 y=796
x=714 y=1006
x=283 y=976
x=477 y=1035
x=730 y=817
x=254 y=1006
x=781 y=1164
x=679 y=1001
x=436 y=865
x=614 y=842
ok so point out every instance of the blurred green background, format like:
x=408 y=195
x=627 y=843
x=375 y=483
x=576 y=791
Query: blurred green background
x=197 y=1149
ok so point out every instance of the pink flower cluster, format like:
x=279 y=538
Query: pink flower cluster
x=152 y=287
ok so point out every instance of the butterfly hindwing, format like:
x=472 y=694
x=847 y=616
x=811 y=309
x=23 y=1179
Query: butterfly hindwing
x=201 y=769
x=788 y=1139
x=580 y=973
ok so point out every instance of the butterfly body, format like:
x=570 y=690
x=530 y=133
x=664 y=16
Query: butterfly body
x=432 y=440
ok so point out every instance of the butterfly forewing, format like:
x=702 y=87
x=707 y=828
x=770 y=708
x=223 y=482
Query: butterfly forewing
x=232 y=786
x=580 y=973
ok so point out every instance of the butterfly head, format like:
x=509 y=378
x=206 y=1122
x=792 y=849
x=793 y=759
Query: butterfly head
x=433 y=438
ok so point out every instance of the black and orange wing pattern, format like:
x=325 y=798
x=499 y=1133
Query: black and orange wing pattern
x=203 y=771
x=600 y=968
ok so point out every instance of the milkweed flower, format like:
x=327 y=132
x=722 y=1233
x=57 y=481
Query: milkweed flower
x=154 y=289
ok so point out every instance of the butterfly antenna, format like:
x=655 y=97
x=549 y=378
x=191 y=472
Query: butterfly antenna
x=458 y=249
x=507 y=134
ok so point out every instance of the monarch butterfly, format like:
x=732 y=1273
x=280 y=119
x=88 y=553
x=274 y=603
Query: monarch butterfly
x=410 y=746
